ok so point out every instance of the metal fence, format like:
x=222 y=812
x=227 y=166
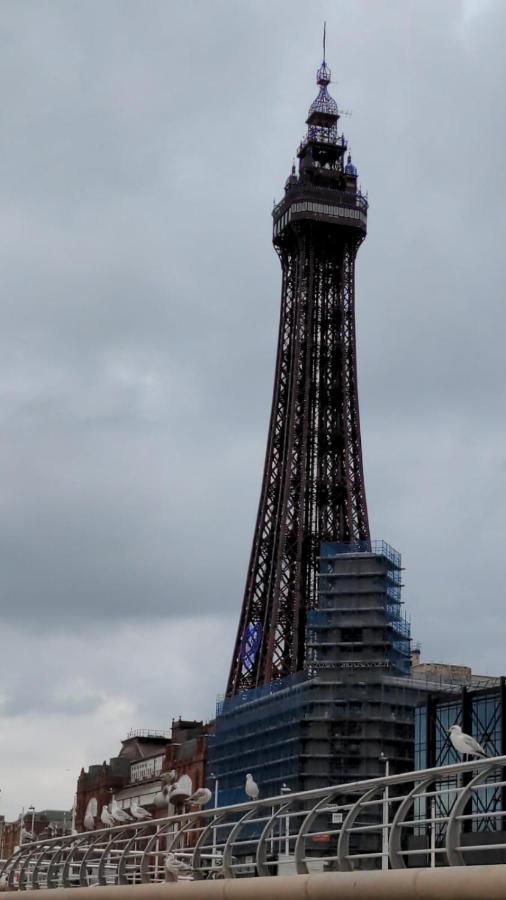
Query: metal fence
x=448 y=816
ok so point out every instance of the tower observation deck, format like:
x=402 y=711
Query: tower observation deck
x=313 y=485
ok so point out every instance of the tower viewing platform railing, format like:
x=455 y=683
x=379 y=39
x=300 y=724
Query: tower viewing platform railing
x=349 y=199
x=447 y=816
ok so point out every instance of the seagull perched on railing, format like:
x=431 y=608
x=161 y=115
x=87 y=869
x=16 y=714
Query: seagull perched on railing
x=106 y=818
x=138 y=812
x=464 y=743
x=119 y=814
x=174 y=867
x=200 y=797
x=251 y=787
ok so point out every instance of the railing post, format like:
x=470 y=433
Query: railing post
x=432 y=833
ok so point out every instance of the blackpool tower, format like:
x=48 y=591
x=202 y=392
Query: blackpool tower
x=313 y=483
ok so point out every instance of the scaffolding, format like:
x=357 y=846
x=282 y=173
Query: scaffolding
x=331 y=722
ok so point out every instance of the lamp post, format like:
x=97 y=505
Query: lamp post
x=384 y=831
x=286 y=790
x=213 y=777
x=32 y=810
x=21 y=824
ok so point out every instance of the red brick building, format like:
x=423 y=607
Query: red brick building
x=136 y=771
x=46 y=823
x=187 y=751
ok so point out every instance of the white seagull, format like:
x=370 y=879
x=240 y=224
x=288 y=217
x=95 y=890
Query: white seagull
x=168 y=777
x=89 y=822
x=106 y=818
x=174 y=867
x=200 y=797
x=464 y=743
x=119 y=814
x=138 y=812
x=251 y=788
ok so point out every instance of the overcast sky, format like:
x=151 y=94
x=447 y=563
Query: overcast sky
x=141 y=147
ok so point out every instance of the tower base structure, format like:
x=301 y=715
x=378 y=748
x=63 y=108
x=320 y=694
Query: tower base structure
x=350 y=710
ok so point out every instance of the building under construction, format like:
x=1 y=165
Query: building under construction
x=353 y=703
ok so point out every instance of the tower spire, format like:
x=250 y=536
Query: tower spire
x=324 y=36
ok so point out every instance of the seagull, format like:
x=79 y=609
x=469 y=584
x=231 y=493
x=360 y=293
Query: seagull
x=174 y=867
x=251 y=788
x=200 y=797
x=118 y=814
x=106 y=818
x=464 y=743
x=168 y=777
x=138 y=812
x=89 y=822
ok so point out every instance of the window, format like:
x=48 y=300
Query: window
x=351 y=635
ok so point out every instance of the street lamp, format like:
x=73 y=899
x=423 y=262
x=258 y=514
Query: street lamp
x=286 y=790
x=32 y=810
x=384 y=831
x=21 y=824
x=213 y=777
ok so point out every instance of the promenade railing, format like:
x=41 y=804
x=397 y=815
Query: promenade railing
x=446 y=816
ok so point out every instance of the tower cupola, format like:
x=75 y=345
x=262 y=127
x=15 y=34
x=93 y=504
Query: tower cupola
x=324 y=103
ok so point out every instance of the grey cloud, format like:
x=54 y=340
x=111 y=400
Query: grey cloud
x=140 y=152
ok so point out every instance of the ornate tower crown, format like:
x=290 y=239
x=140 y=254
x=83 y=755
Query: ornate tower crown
x=323 y=74
x=324 y=103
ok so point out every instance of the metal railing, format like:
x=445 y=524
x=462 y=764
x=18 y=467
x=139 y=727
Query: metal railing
x=350 y=199
x=447 y=816
x=149 y=733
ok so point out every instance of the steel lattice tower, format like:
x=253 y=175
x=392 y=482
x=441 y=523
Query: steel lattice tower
x=313 y=483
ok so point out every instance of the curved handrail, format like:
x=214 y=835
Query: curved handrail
x=83 y=882
x=139 y=833
x=261 y=854
x=34 y=852
x=343 y=844
x=208 y=829
x=38 y=862
x=394 y=845
x=454 y=825
x=78 y=841
x=300 y=865
x=58 y=852
x=227 y=852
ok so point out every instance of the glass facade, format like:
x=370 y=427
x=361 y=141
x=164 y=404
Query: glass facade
x=479 y=712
